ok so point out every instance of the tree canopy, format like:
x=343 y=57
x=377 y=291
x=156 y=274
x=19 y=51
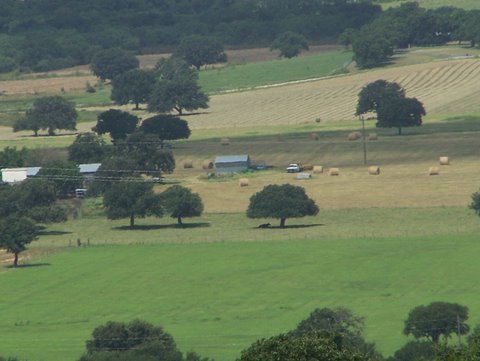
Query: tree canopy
x=131 y=199
x=87 y=148
x=132 y=86
x=290 y=44
x=437 y=319
x=13 y=157
x=117 y=123
x=166 y=127
x=16 y=233
x=109 y=63
x=199 y=50
x=392 y=107
x=180 y=202
x=51 y=113
x=65 y=175
x=281 y=202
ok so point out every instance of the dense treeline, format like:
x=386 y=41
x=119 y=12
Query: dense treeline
x=47 y=34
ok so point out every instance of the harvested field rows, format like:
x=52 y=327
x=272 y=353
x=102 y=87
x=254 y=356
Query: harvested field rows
x=445 y=87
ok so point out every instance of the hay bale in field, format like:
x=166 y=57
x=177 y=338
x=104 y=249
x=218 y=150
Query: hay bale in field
x=225 y=141
x=373 y=136
x=334 y=171
x=354 y=136
x=243 y=182
x=444 y=161
x=306 y=167
x=433 y=171
x=374 y=170
x=313 y=136
x=317 y=169
x=303 y=176
x=207 y=164
x=188 y=164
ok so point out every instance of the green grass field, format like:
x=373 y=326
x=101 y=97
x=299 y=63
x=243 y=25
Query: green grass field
x=217 y=298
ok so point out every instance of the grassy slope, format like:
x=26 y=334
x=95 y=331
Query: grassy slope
x=217 y=298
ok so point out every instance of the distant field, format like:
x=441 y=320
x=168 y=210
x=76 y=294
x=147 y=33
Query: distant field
x=464 y=4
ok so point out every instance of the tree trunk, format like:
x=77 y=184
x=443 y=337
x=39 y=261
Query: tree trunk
x=282 y=222
x=179 y=110
x=132 y=220
x=35 y=132
x=51 y=131
x=137 y=106
x=15 y=259
x=179 y=220
x=399 y=130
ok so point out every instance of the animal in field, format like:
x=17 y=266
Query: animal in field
x=264 y=225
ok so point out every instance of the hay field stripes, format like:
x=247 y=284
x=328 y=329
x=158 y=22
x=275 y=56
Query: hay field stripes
x=445 y=87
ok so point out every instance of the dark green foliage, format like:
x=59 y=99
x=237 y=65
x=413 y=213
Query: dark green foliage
x=179 y=95
x=181 y=202
x=146 y=150
x=371 y=48
x=51 y=113
x=281 y=202
x=65 y=175
x=341 y=322
x=130 y=199
x=11 y=157
x=290 y=44
x=176 y=88
x=87 y=148
x=132 y=86
x=475 y=205
x=117 y=123
x=10 y=359
x=415 y=350
x=133 y=341
x=16 y=233
x=113 y=169
x=199 y=50
x=388 y=101
x=34 y=198
x=437 y=319
x=109 y=63
x=304 y=348
x=166 y=127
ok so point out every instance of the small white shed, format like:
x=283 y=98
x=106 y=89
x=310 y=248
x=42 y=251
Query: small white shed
x=14 y=175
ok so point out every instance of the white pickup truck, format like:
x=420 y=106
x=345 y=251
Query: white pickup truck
x=293 y=168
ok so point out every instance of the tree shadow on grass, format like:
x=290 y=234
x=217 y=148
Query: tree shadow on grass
x=293 y=226
x=29 y=265
x=152 y=227
x=53 y=233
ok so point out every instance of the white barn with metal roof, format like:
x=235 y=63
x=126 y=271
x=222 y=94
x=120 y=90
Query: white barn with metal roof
x=232 y=163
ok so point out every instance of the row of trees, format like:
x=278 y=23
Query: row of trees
x=50 y=34
x=409 y=25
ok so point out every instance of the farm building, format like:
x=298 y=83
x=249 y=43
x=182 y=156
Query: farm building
x=14 y=175
x=232 y=163
x=88 y=170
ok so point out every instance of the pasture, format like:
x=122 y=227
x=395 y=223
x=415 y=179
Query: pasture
x=428 y=4
x=381 y=245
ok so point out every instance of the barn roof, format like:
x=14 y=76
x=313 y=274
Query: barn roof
x=232 y=158
x=32 y=171
x=89 y=167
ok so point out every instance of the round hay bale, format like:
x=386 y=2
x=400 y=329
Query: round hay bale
x=334 y=171
x=207 y=164
x=306 y=167
x=374 y=170
x=354 y=136
x=317 y=169
x=444 y=161
x=225 y=141
x=433 y=171
x=243 y=182
x=373 y=136
x=188 y=164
